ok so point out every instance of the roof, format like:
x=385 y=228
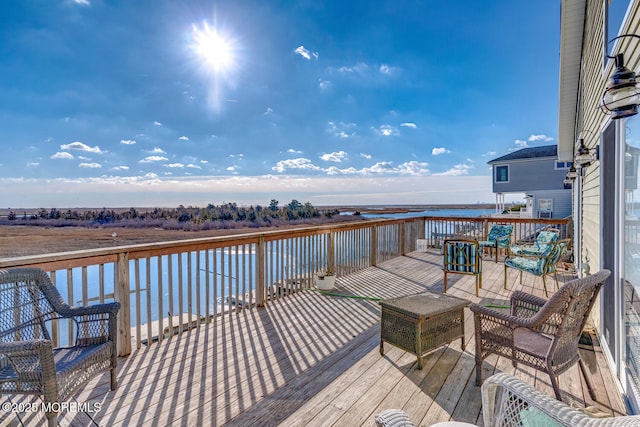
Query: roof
x=529 y=153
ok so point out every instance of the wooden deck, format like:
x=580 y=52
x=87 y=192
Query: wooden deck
x=313 y=360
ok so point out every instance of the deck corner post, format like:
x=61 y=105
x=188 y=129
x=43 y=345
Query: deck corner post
x=403 y=233
x=122 y=296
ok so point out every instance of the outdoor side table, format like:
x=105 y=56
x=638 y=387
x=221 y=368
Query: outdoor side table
x=422 y=322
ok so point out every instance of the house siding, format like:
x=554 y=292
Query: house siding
x=561 y=199
x=530 y=175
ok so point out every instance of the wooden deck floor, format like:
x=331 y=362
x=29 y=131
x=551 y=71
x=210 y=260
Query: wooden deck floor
x=313 y=360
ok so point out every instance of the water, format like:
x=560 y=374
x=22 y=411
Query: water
x=431 y=212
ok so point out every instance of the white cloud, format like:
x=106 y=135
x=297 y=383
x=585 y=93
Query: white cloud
x=388 y=70
x=365 y=155
x=82 y=2
x=85 y=158
x=413 y=168
x=325 y=84
x=232 y=168
x=386 y=130
x=184 y=138
x=204 y=162
x=490 y=153
x=81 y=147
x=90 y=165
x=439 y=150
x=192 y=166
x=150 y=159
x=174 y=165
x=457 y=170
x=299 y=163
x=31 y=164
x=120 y=168
x=333 y=170
x=341 y=130
x=62 y=155
x=157 y=123
x=292 y=151
x=336 y=156
x=520 y=143
x=127 y=141
x=305 y=53
x=409 y=125
x=158 y=150
x=268 y=111
x=545 y=138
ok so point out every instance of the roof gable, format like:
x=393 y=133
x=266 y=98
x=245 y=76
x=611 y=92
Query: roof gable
x=529 y=153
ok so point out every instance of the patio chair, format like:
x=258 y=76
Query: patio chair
x=462 y=257
x=28 y=362
x=499 y=236
x=539 y=265
x=540 y=246
x=539 y=333
x=508 y=401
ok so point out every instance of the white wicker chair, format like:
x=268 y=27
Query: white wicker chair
x=509 y=402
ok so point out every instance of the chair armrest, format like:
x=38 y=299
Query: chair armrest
x=31 y=362
x=488 y=315
x=524 y=304
x=95 y=323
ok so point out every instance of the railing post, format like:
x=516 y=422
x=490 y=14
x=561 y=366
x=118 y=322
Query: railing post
x=402 y=238
x=260 y=272
x=331 y=262
x=374 y=245
x=122 y=296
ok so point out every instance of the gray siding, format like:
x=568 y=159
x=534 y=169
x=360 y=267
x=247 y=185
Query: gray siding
x=530 y=175
x=561 y=200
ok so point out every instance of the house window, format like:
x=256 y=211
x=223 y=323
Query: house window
x=615 y=11
x=502 y=173
x=563 y=165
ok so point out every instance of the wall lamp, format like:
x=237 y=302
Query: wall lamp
x=585 y=156
x=621 y=96
x=572 y=174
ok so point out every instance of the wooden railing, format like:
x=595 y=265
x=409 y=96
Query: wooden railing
x=167 y=288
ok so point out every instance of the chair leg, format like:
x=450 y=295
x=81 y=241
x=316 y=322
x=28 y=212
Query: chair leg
x=585 y=374
x=555 y=274
x=554 y=384
x=445 y=282
x=521 y=277
x=114 y=382
x=544 y=282
x=505 y=276
x=497 y=249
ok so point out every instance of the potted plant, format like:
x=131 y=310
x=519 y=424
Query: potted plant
x=325 y=279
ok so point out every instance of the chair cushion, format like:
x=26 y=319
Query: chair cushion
x=461 y=257
x=531 y=342
x=533 y=266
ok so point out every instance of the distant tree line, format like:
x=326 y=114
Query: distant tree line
x=228 y=215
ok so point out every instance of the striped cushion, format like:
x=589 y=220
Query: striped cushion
x=461 y=257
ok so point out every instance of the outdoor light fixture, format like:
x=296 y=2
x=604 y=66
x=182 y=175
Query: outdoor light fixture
x=572 y=174
x=621 y=96
x=585 y=156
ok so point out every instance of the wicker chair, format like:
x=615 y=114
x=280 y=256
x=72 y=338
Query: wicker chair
x=539 y=333
x=462 y=257
x=28 y=362
x=499 y=236
x=508 y=402
x=540 y=265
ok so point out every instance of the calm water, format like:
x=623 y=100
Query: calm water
x=432 y=212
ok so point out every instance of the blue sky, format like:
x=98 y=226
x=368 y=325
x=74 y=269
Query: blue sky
x=160 y=103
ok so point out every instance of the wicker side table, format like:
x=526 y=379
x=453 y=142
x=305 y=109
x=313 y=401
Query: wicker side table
x=421 y=323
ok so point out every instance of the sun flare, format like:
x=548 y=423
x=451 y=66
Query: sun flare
x=213 y=48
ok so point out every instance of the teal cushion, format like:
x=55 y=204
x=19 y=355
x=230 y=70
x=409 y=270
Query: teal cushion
x=533 y=417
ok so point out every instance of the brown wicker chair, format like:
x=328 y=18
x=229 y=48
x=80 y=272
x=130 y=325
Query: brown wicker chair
x=539 y=333
x=28 y=362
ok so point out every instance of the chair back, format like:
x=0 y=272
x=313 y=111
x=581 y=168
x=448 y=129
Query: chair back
x=568 y=310
x=545 y=238
x=497 y=231
x=462 y=256
x=25 y=304
x=548 y=264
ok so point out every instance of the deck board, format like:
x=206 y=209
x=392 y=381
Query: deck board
x=313 y=360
